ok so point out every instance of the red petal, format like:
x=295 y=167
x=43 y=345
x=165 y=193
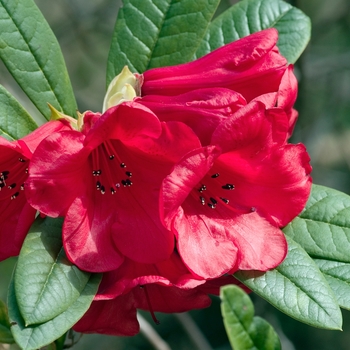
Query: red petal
x=113 y=317
x=202 y=109
x=278 y=185
x=252 y=131
x=171 y=272
x=251 y=66
x=169 y=299
x=56 y=173
x=87 y=236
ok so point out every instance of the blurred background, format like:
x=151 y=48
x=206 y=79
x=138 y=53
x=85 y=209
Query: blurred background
x=84 y=30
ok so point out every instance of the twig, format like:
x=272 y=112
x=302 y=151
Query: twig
x=153 y=337
x=193 y=331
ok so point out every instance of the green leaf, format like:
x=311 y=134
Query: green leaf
x=337 y=275
x=323 y=228
x=15 y=122
x=35 y=336
x=297 y=288
x=250 y=16
x=32 y=55
x=46 y=282
x=245 y=331
x=155 y=33
x=5 y=332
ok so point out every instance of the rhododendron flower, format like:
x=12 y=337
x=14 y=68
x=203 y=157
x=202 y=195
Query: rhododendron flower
x=16 y=215
x=251 y=66
x=164 y=287
x=225 y=202
x=105 y=180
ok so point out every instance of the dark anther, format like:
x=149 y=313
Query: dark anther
x=96 y=172
x=111 y=156
x=12 y=186
x=113 y=190
x=129 y=173
x=26 y=170
x=202 y=200
x=211 y=205
x=128 y=182
x=14 y=195
x=4 y=173
x=103 y=191
x=21 y=160
x=22 y=187
x=202 y=188
x=214 y=176
x=122 y=165
x=225 y=200
x=2 y=185
x=98 y=185
x=228 y=187
x=213 y=200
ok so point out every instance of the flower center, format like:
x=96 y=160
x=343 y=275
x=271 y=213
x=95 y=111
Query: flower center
x=12 y=181
x=110 y=173
x=213 y=198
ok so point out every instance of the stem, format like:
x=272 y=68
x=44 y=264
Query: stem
x=193 y=331
x=152 y=336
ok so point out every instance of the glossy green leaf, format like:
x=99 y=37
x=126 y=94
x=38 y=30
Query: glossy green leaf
x=323 y=228
x=5 y=332
x=250 y=16
x=36 y=336
x=337 y=275
x=15 y=122
x=245 y=331
x=46 y=282
x=155 y=33
x=32 y=55
x=298 y=288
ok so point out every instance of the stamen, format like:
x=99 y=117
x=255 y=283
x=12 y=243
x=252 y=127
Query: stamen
x=150 y=306
x=228 y=187
x=213 y=200
x=22 y=187
x=126 y=183
x=21 y=160
x=97 y=172
x=15 y=195
x=122 y=165
x=211 y=205
x=214 y=176
x=111 y=157
x=113 y=190
x=12 y=186
x=252 y=209
x=225 y=200
x=202 y=188
x=103 y=191
x=202 y=200
x=128 y=173
x=98 y=185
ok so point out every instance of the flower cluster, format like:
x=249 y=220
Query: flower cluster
x=186 y=177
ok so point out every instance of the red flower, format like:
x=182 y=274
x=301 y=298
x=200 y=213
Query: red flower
x=225 y=202
x=16 y=215
x=164 y=287
x=105 y=180
x=251 y=66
